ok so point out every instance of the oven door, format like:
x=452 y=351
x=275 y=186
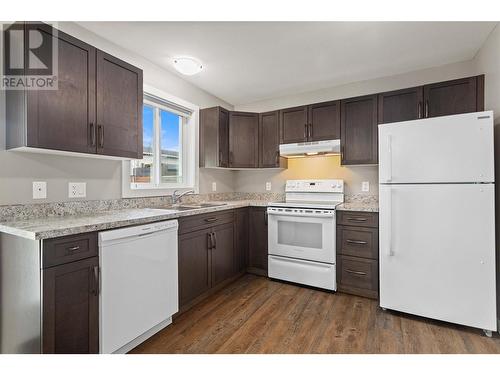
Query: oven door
x=302 y=233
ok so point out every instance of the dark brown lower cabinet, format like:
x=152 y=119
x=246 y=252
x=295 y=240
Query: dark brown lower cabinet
x=71 y=308
x=357 y=253
x=241 y=239
x=257 y=243
x=222 y=253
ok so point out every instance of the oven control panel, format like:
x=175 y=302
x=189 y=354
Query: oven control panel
x=315 y=186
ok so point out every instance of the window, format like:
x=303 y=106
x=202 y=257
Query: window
x=169 y=148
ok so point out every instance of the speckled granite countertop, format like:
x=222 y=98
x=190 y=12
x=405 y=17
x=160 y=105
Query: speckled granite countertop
x=57 y=226
x=357 y=206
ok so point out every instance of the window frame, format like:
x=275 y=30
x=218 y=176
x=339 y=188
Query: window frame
x=189 y=152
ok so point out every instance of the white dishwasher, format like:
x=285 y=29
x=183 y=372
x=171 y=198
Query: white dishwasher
x=139 y=291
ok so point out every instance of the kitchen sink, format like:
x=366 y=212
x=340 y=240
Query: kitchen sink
x=186 y=207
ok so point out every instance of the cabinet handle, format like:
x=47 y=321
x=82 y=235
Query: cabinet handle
x=359 y=273
x=359 y=219
x=310 y=131
x=100 y=131
x=426 y=108
x=419 y=109
x=71 y=250
x=96 y=274
x=92 y=134
x=209 y=240
x=211 y=219
x=356 y=242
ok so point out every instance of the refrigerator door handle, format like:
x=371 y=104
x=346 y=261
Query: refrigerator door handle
x=390 y=251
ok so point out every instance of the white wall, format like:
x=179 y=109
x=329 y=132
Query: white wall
x=330 y=167
x=103 y=177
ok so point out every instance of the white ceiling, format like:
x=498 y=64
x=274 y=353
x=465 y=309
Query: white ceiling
x=250 y=61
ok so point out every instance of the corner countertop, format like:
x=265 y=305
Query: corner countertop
x=57 y=226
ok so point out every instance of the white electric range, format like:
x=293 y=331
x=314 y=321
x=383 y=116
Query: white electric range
x=301 y=233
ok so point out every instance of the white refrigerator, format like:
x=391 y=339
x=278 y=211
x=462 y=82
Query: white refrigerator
x=437 y=219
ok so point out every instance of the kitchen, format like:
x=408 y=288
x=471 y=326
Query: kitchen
x=147 y=205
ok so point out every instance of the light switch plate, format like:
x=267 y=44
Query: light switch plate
x=214 y=186
x=77 y=189
x=365 y=186
x=39 y=190
x=268 y=186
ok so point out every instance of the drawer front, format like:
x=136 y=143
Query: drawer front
x=67 y=249
x=358 y=273
x=358 y=241
x=358 y=218
x=197 y=222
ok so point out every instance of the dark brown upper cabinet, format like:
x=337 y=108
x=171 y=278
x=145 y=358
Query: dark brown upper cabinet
x=119 y=107
x=214 y=137
x=324 y=121
x=359 y=141
x=96 y=108
x=401 y=105
x=269 y=141
x=243 y=140
x=315 y=122
x=293 y=123
x=454 y=97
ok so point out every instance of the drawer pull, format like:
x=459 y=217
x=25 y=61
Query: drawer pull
x=359 y=273
x=210 y=219
x=356 y=242
x=70 y=250
x=359 y=219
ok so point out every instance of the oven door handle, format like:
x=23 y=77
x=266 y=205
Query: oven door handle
x=301 y=214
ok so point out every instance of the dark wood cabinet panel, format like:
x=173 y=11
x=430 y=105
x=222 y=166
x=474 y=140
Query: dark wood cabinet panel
x=359 y=141
x=70 y=308
x=269 y=136
x=358 y=276
x=401 y=105
x=293 y=124
x=67 y=249
x=324 y=121
x=64 y=119
x=241 y=239
x=243 y=140
x=222 y=253
x=195 y=276
x=454 y=97
x=214 y=137
x=357 y=241
x=119 y=107
x=364 y=219
x=257 y=246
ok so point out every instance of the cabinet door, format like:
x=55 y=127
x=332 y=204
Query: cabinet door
x=324 y=121
x=243 y=140
x=194 y=265
x=293 y=123
x=359 y=130
x=401 y=105
x=241 y=239
x=257 y=246
x=70 y=308
x=119 y=107
x=223 y=137
x=222 y=253
x=269 y=134
x=64 y=119
x=454 y=97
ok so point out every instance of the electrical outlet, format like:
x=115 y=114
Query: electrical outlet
x=214 y=186
x=268 y=186
x=77 y=189
x=39 y=190
x=365 y=186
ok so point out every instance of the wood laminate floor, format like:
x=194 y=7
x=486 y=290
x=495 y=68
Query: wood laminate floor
x=257 y=315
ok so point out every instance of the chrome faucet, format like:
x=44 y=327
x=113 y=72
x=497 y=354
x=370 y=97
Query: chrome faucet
x=176 y=198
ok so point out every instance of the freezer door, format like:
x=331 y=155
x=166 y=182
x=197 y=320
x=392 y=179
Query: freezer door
x=437 y=252
x=455 y=148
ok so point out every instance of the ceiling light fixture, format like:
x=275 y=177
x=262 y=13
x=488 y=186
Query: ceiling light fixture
x=187 y=65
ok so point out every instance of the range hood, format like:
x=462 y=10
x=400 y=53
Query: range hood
x=310 y=148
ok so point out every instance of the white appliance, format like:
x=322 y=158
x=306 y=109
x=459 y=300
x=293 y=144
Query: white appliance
x=331 y=147
x=437 y=219
x=301 y=233
x=139 y=291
